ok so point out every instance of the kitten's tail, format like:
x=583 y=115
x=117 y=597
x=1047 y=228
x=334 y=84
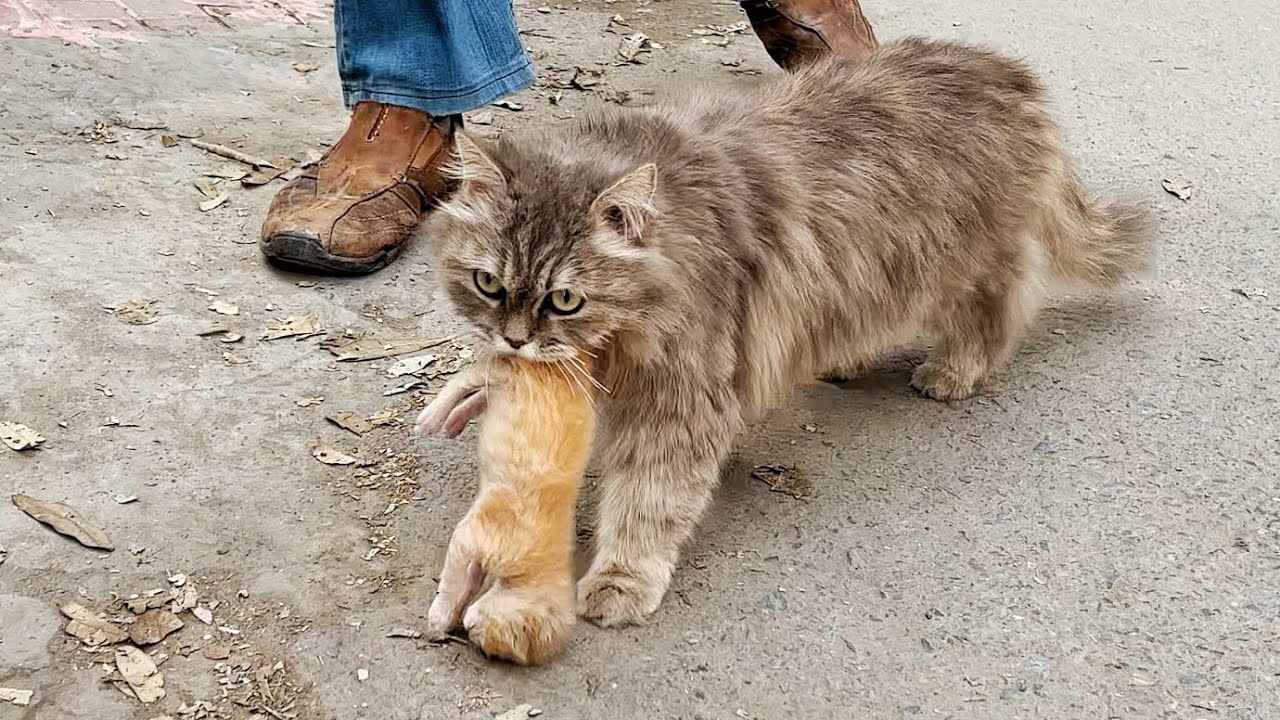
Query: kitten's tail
x=1095 y=242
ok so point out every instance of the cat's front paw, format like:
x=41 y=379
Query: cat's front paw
x=519 y=630
x=942 y=382
x=614 y=597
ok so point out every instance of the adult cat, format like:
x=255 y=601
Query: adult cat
x=715 y=251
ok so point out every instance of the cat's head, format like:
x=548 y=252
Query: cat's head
x=543 y=255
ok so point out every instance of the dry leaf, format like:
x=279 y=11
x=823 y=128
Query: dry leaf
x=584 y=78
x=329 y=456
x=265 y=174
x=784 y=479
x=223 y=307
x=228 y=172
x=21 y=698
x=64 y=520
x=509 y=105
x=208 y=205
x=350 y=421
x=309 y=401
x=373 y=349
x=484 y=117
x=404 y=633
x=232 y=359
x=385 y=416
x=299 y=326
x=184 y=599
x=19 y=437
x=303 y=67
x=154 y=626
x=140 y=671
x=208 y=188
x=632 y=45
x=1177 y=187
x=91 y=628
x=168 y=141
x=216 y=651
x=411 y=365
x=203 y=614
x=153 y=599
x=519 y=712
x=135 y=312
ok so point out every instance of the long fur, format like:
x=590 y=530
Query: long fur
x=807 y=227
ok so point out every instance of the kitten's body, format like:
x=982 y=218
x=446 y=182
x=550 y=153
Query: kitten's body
x=805 y=228
x=508 y=575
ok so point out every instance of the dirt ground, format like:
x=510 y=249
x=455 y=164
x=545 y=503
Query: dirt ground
x=1099 y=537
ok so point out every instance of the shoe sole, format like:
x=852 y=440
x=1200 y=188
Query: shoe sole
x=303 y=253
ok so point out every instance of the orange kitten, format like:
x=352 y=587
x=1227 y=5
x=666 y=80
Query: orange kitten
x=508 y=575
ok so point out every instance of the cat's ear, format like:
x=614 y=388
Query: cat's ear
x=626 y=207
x=479 y=178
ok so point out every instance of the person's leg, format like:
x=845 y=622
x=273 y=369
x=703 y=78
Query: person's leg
x=408 y=69
x=797 y=32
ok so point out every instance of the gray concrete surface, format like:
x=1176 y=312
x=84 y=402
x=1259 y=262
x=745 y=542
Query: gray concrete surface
x=1098 y=538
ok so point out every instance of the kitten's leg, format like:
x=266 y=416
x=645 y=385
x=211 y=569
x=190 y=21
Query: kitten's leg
x=461 y=580
x=976 y=336
x=459 y=402
x=655 y=488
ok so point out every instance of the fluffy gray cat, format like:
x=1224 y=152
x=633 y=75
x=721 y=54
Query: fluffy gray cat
x=716 y=251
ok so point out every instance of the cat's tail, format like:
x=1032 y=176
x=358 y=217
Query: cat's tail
x=1096 y=242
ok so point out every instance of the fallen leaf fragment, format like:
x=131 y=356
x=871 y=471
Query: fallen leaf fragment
x=91 y=628
x=374 y=349
x=519 y=712
x=350 y=421
x=140 y=671
x=784 y=479
x=153 y=626
x=299 y=326
x=203 y=614
x=19 y=437
x=303 y=67
x=1177 y=187
x=309 y=401
x=134 y=312
x=411 y=365
x=184 y=599
x=21 y=698
x=212 y=203
x=484 y=117
x=64 y=520
x=632 y=45
x=222 y=307
x=511 y=105
x=264 y=175
x=404 y=633
x=329 y=456
x=216 y=651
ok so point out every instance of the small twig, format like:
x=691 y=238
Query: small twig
x=233 y=154
x=204 y=8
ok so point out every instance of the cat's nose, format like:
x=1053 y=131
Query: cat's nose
x=515 y=344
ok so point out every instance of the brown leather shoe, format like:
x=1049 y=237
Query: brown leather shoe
x=353 y=211
x=797 y=32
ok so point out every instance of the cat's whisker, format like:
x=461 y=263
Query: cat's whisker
x=577 y=364
x=559 y=366
x=585 y=392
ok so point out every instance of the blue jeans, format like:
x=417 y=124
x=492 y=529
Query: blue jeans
x=441 y=56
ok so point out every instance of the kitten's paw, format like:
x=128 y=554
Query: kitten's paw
x=616 y=598
x=941 y=382
x=504 y=626
x=448 y=414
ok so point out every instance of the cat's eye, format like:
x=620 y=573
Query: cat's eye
x=488 y=284
x=564 y=302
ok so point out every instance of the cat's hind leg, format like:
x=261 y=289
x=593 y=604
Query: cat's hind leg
x=974 y=334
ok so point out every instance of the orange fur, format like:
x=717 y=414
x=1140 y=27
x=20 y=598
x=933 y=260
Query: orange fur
x=508 y=575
